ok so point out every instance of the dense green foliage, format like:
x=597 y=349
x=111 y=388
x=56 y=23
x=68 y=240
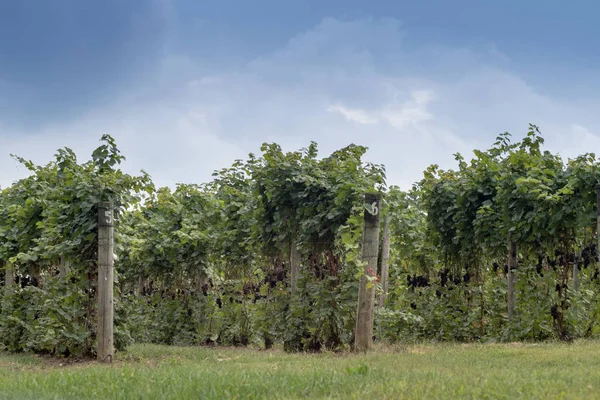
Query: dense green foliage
x=48 y=224
x=462 y=221
x=197 y=264
x=213 y=261
x=210 y=263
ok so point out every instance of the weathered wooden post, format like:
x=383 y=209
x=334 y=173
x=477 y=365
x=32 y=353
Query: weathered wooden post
x=63 y=268
x=9 y=275
x=105 y=281
x=385 y=260
x=366 y=292
x=141 y=285
x=576 y=277
x=294 y=265
x=512 y=265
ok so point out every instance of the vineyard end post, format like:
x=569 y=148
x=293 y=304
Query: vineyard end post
x=105 y=282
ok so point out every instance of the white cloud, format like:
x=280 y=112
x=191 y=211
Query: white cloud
x=356 y=115
x=575 y=140
x=339 y=83
x=173 y=145
x=410 y=113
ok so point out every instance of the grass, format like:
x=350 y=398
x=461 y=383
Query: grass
x=428 y=371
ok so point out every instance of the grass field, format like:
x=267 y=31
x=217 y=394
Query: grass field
x=428 y=371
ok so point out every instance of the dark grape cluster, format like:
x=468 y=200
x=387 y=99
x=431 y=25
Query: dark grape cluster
x=417 y=281
x=554 y=312
x=589 y=255
x=444 y=276
x=467 y=278
x=248 y=289
x=26 y=280
x=538 y=269
x=558 y=287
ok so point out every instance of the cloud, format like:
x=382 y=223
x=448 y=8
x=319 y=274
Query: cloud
x=172 y=144
x=410 y=113
x=400 y=115
x=575 y=141
x=350 y=114
x=340 y=82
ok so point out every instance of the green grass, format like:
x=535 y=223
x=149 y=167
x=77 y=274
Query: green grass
x=428 y=371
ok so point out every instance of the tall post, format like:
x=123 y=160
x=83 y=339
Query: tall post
x=385 y=260
x=63 y=267
x=105 y=282
x=141 y=285
x=576 y=277
x=9 y=275
x=512 y=265
x=294 y=265
x=366 y=292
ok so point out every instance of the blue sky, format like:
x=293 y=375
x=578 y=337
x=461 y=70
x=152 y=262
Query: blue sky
x=188 y=86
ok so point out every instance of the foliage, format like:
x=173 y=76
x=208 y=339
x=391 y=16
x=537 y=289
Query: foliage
x=48 y=222
x=512 y=192
x=240 y=231
x=168 y=239
x=53 y=319
x=209 y=264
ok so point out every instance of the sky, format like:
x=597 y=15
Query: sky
x=186 y=87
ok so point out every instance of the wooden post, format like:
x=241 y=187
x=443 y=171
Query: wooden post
x=366 y=293
x=105 y=282
x=9 y=275
x=63 y=268
x=294 y=265
x=576 y=277
x=512 y=264
x=385 y=260
x=141 y=285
